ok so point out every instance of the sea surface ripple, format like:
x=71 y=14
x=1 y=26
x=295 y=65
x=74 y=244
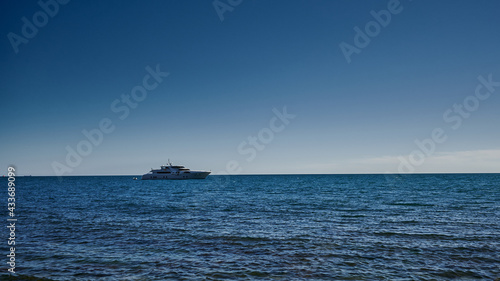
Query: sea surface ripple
x=271 y=227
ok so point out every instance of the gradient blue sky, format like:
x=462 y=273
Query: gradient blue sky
x=227 y=76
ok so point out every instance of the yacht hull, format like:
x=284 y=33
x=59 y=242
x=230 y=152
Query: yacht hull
x=176 y=176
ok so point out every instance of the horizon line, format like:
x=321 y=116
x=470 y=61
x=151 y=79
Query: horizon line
x=270 y=174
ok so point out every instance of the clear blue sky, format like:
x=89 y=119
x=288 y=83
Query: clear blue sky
x=225 y=78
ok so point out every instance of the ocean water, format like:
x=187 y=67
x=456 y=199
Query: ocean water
x=272 y=227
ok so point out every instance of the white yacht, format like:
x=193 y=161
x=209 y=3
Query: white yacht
x=171 y=172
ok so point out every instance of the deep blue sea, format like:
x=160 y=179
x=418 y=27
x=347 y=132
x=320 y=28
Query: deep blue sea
x=272 y=227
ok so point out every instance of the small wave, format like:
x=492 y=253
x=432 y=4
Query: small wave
x=21 y=277
x=411 y=204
